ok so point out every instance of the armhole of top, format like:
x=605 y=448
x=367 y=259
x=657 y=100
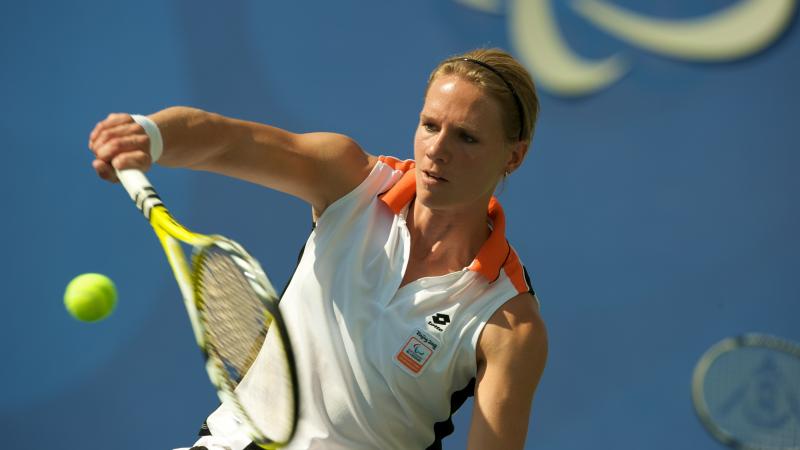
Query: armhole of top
x=345 y=198
x=485 y=318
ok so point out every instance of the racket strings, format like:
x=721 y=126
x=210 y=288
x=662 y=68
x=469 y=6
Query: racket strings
x=234 y=315
x=243 y=337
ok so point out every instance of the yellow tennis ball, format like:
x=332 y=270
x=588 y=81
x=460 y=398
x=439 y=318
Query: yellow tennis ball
x=90 y=297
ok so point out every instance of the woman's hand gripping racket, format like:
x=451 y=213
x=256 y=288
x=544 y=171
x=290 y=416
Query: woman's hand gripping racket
x=234 y=311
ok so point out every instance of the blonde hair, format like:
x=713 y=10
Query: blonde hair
x=505 y=79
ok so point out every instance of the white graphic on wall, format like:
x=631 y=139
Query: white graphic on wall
x=732 y=33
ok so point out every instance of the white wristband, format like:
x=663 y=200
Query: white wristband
x=150 y=127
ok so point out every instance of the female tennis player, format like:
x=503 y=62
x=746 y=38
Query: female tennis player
x=407 y=298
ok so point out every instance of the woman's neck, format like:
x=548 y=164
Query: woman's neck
x=446 y=241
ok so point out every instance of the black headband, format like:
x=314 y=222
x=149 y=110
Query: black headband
x=510 y=88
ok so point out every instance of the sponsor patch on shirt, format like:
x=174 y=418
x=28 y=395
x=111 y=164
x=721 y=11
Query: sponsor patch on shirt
x=417 y=351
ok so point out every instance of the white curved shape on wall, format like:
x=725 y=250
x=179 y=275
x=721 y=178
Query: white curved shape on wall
x=487 y=6
x=735 y=32
x=554 y=66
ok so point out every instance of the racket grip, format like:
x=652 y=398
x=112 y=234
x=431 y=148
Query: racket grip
x=140 y=190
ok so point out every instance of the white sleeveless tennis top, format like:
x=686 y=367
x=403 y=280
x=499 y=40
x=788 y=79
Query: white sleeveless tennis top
x=378 y=364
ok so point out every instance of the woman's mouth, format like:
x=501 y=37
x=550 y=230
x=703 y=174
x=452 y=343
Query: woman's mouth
x=434 y=176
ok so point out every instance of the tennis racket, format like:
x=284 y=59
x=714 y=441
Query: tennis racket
x=233 y=310
x=746 y=392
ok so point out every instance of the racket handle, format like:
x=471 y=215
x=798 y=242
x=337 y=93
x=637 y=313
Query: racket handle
x=140 y=190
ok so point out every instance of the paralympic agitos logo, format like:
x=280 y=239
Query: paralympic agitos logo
x=738 y=31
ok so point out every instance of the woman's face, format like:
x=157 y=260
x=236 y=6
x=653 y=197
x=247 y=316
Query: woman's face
x=460 y=148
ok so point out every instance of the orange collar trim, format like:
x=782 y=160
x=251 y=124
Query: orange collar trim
x=493 y=253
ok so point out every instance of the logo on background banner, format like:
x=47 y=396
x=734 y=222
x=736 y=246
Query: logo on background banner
x=738 y=31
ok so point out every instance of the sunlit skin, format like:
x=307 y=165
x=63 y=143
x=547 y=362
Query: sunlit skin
x=460 y=138
x=461 y=154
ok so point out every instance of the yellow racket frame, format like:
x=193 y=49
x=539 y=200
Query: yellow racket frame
x=171 y=234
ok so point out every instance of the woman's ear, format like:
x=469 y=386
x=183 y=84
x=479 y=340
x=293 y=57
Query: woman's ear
x=517 y=155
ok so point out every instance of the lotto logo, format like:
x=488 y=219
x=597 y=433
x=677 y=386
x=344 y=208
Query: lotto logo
x=441 y=319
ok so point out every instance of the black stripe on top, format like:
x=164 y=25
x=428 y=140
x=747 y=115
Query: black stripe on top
x=445 y=428
x=528 y=280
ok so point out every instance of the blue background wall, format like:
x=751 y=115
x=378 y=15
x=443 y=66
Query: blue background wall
x=656 y=216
